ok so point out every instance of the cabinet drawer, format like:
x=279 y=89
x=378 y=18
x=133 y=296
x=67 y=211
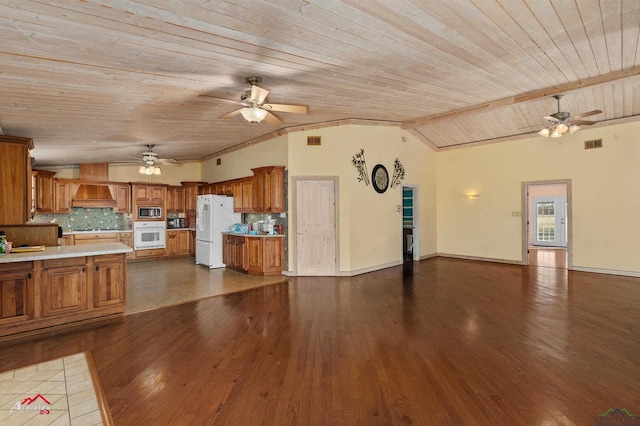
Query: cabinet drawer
x=142 y=254
x=109 y=258
x=57 y=263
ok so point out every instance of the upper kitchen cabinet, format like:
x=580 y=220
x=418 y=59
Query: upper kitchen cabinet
x=43 y=191
x=175 y=199
x=15 y=179
x=154 y=193
x=268 y=189
x=63 y=191
x=191 y=192
x=122 y=194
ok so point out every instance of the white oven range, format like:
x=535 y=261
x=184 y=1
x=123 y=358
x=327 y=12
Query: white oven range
x=149 y=235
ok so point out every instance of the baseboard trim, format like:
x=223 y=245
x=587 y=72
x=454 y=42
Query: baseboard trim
x=480 y=259
x=368 y=269
x=428 y=256
x=606 y=271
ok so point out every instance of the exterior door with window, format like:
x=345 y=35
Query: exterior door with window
x=550 y=221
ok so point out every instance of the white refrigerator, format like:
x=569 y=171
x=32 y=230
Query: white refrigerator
x=214 y=215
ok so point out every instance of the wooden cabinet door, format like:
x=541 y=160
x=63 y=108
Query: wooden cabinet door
x=62 y=196
x=178 y=199
x=109 y=280
x=141 y=192
x=158 y=193
x=66 y=240
x=240 y=258
x=190 y=194
x=258 y=190
x=44 y=191
x=182 y=243
x=247 y=195
x=275 y=187
x=170 y=247
x=15 y=180
x=64 y=289
x=273 y=254
x=16 y=294
x=254 y=254
x=237 y=196
x=123 y=198
x=227 y=247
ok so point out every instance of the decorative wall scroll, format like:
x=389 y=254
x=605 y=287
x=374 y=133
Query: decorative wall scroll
x=398 y=173
x=361 y=165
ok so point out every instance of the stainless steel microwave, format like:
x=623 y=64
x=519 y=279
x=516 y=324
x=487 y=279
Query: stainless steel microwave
x=150 y=212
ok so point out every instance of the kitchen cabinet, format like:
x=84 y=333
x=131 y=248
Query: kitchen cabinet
x=16 y=293
x=191 y=194
x=109 y=280
x=126 y=238
x=63 y=191
x=15 y=180
x=44 y=191
x=64 y=286
x=149 y=254
x=152 y=193
x=243 y=195
x=60 y=287
x=259 y=255
x=122 y=193
x=233 y=252
x=268 y=189
x=192 y=243
x=265 y=255
x=175 y=199
x=177 y=243
x=91 y=238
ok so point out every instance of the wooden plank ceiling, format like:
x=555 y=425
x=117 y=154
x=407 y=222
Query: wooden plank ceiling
x=97 y=80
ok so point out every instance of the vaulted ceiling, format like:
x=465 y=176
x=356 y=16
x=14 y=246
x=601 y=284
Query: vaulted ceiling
x=97 y=80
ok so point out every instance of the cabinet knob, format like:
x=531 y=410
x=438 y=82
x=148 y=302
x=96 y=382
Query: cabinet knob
x=83 y=269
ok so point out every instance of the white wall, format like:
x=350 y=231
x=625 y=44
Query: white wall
x=238 y=164
x=605 y=203
x=370 y=227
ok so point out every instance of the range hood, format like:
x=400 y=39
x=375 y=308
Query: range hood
x=93 y=194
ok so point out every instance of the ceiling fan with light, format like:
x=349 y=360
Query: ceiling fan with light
x=561 y=122
x=151 y=163
x=254 y=109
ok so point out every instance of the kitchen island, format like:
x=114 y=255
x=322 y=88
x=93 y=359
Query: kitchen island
x=61 y=286
x=253 y=254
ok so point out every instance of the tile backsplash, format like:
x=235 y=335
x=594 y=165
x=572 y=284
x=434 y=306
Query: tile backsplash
x=82 y=219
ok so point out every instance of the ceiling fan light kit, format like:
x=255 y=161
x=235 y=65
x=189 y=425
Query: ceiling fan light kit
x=253 y=115
x=561 y=122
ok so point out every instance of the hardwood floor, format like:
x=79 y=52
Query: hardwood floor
x=458 y=342
x=548 y=257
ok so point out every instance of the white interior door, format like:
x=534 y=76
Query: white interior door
x=550 y=221
x=315 y=228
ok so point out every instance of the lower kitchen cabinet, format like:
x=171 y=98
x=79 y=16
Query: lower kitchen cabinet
x=53 y=293
x=178 y=243
x=109 y=280
x=104 y=237
x=16 y=293
x=259 y=255
x=126 y=238
x=64 y=286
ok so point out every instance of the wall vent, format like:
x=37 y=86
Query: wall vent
x=218 y=161
x=593 y=143
x=313 y=140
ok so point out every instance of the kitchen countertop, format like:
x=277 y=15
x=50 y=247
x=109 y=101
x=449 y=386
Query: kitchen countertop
x=58 y=252
x=241 y=234
x=104 y=231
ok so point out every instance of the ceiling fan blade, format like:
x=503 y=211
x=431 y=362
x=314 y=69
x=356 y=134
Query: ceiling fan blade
x=550 y=118
x=295 y=109
x=231 y=114
x=204 y=95
x=583 y=122
x=272 y=119
x=587 y=114
x=258 y=93
x=169 y=162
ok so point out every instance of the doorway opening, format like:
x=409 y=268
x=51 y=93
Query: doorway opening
x=410 y=234
x=547 y=223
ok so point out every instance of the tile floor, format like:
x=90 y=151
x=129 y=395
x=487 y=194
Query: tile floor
x=152 y=284
x=61 y=393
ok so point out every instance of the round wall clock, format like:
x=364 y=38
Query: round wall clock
x=380 y=178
